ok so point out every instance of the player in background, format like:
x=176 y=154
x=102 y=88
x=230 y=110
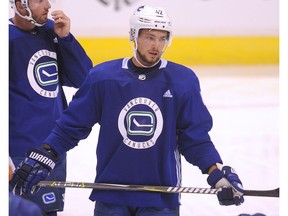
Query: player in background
x=150 y=111
x=43 y=57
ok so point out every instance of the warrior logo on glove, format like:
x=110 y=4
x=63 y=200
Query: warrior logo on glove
x=42 y=159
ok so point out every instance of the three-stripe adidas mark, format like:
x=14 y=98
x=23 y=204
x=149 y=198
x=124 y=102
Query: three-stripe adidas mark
x=168 y=94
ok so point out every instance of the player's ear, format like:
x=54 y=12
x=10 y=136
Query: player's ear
x=21 y=8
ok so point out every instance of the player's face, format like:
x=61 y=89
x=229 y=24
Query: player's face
x=151 y=44
x=40 y=9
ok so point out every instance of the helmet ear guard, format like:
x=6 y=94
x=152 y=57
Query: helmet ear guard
x=132 y=34
x=23 y=2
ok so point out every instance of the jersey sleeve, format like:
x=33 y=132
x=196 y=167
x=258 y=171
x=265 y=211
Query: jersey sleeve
x=77 y=120
x=194 y=124
x=74 y=63
x=21 y=206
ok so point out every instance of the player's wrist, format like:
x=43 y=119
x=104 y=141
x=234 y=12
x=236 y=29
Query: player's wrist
x=211 y=169
x=67 y=37
x=49 y=149
x=215 y=176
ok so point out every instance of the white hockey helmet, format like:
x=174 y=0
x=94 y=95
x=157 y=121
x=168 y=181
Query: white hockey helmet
x=146 y=17
x=26 y=6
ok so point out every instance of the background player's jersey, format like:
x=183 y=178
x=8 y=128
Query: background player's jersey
x=20 y=206
x=146 y=121
x=39 y=64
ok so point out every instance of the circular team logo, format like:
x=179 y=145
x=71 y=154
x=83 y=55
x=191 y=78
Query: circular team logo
x=140 y=123
x=42 y=73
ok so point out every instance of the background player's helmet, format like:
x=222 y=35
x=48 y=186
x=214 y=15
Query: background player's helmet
x=146 y=17
x=26 y=6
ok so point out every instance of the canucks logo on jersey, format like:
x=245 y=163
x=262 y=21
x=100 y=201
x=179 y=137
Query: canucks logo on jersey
x=140 y=123
x=42 y=73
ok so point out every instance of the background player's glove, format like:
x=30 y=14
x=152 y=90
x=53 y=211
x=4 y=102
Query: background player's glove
x=230 y=187
x=34 y=168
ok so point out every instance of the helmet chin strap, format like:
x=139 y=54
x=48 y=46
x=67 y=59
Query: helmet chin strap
x=145 y=66
x=29 y=17
x=136 y=58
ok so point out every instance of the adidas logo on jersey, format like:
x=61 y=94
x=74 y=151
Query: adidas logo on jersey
x=168 y=94
x=55 y=40
x=42 y=159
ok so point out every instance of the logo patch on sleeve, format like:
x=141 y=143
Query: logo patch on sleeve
x=49 y=198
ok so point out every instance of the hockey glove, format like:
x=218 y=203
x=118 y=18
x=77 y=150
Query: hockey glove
x=34 y=168
x=230 y=187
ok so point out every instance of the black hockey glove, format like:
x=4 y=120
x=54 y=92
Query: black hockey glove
x=34 y=168
x=230 y=187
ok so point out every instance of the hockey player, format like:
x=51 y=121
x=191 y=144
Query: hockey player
x=150 y=112
x=43 y=57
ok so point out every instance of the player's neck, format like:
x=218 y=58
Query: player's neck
x=139 y=69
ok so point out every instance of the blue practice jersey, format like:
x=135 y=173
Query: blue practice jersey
x=40 y=63
x=19 y=206
x=147 y=121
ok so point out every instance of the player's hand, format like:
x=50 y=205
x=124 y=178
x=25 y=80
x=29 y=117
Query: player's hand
x=230 y=187
x=34 y=168
x=61 y=23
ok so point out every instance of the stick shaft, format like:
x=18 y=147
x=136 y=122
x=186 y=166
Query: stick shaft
x=161 y=189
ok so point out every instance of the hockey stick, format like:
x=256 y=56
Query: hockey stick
x=162 y=189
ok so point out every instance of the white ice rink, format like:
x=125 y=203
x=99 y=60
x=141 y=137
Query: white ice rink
x=243 y=101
